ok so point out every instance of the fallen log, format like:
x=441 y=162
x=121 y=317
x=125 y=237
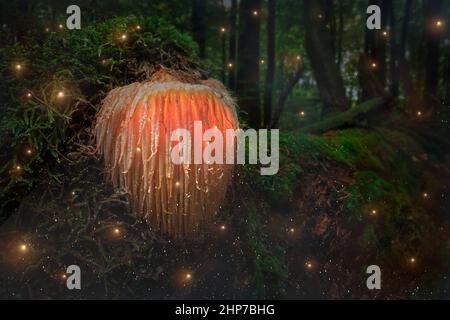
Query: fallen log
x=356 y=116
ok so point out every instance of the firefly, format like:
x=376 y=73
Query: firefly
x=18 y=67
x=117 y=231
x=123 y=37
x=223 y=29
x=60 y=94
x=29 y=95
x=425 y=195
x=223 y=227
x=138 y=27
x=23 y=247
x=419 y=113
x=188 y=276
x=255 y=13
x=29 y=151
x=60 y=26
x=230 y=65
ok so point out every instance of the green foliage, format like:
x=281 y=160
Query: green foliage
x=399 y=225
x=84 y=65
x=385 y=179
x=265 y=256
x=359 y=149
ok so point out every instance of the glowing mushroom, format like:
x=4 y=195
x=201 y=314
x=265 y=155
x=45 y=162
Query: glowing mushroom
x=174 y=199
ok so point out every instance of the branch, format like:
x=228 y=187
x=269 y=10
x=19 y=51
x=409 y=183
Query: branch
x=285 y=94
x=352 y=117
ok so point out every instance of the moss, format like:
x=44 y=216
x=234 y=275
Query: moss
x=386 y=178
x=85 y=64
x=357 y=149
x=269 y=266
x=399 y=224
x=264 y=256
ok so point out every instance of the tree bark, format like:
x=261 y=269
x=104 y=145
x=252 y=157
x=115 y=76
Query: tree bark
x=321 y=55
x=270 y=72
x=248 y=61
x=357 y=116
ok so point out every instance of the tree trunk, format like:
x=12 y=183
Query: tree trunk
x=330 y=20
x=412 y=92
x=270 y=73
x=319 y=48
x=285 y=94
x=433 y=33
x=248 y=61
x=199 y=26
x=340 y=33
x=372 y=65
x=232 y=46
x=358 y=116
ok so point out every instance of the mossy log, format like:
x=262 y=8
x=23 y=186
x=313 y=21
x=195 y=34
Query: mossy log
x=353 y=117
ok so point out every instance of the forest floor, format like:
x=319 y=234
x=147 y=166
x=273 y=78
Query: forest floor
x=310 y=232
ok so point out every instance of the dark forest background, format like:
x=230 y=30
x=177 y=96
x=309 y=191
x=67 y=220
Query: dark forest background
x=269 y=51
x=364 y=149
